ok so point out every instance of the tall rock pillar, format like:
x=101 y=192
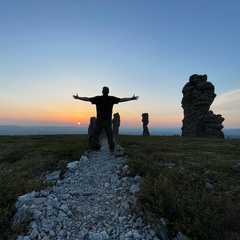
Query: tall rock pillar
x=145 y=121
x=199 y=120
x=116 y=123
x=92 y=125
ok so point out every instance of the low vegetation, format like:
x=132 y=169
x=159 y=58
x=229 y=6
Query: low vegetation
x=175 y=172
x=191 y=183
x=24 y=160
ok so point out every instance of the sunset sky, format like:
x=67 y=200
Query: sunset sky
x=52 y=49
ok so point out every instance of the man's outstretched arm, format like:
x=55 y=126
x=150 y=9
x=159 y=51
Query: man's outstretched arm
x=81 y=98
x=129 y=99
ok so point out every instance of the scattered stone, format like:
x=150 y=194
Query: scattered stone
x=181 y=236
x=208 y=186
x=134 y=189
x=37 y=201
x=237 y=165
x=25 y=199
x=34 y=234
x=53 y=176
x=104 y=235
x=73 y=165
x=95 y=236
x=36 y=214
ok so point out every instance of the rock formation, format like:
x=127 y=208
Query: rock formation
x=199 y=120
x=116 y=123
x=91 y=125
x=145 y=121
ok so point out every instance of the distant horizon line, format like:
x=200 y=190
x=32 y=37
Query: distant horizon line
x=83 y=126
x=9 y=130
x=77 y=126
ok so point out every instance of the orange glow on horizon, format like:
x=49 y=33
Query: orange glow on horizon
x=76 y=121
x=46 y=117
x=79 y=113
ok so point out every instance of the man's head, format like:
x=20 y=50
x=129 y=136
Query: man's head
x=105 y=91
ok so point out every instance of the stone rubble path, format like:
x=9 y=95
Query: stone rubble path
x=92 y=202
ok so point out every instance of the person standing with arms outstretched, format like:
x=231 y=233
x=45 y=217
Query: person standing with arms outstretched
x=104 y=106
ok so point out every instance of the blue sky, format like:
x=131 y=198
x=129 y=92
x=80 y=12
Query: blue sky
x=51 y=49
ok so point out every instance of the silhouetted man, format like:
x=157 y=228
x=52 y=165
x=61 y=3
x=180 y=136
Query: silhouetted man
x=104 y=105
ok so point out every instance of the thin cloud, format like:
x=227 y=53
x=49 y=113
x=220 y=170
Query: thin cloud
x=228 y=102
x=227 y=105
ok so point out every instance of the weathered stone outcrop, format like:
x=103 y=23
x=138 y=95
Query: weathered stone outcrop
x=199 y=120
x=116 y=123
x=145 y=121
x=91 y=125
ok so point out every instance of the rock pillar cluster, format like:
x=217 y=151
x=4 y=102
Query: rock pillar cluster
x=199 y=120
x=91 y=125
x=145 y=121
x=116 y=123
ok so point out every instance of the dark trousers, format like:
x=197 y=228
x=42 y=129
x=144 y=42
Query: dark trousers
x=107 y=126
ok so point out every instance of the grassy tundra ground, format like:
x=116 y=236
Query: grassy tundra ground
x=23 y=162
x=175 y=171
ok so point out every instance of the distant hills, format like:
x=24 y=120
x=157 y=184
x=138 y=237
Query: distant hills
x=41 y=130
x=232 y=133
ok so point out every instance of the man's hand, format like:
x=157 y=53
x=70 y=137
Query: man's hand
x=134 y=97
x=75 y=96
x=81 y=98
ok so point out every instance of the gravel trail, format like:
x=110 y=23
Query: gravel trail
x=91 y=202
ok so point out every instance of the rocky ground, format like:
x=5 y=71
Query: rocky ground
x=92 y=201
